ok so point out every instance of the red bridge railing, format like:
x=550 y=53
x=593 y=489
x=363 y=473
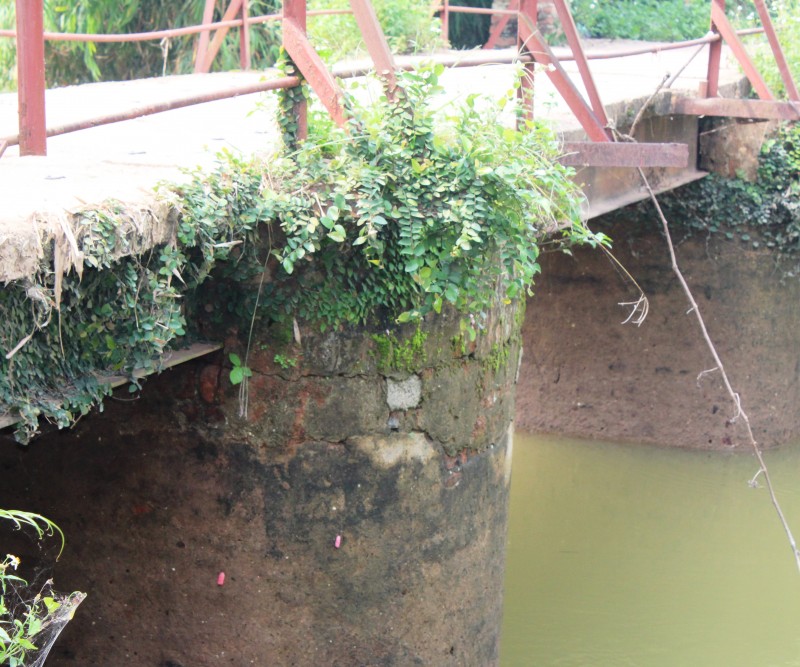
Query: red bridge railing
x=532 y=49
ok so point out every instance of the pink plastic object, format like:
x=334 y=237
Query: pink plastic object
x=337 y=542
x=221 y=579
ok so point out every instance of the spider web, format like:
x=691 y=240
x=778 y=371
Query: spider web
x=31 y=597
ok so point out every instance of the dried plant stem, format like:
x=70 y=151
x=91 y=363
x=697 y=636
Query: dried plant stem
x=739 y=411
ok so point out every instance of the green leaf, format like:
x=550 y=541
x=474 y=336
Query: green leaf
x=235 y=359
x=237 y=375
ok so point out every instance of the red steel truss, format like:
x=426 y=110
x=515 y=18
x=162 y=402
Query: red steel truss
x=601 y=150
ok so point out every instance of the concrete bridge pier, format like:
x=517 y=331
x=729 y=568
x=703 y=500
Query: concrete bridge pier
x=358 y=512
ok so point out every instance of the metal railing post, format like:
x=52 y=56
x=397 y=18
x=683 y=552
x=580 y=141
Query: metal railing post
x=203 y=39
x=527 y=9
x=30 y=77
x=244 y=38
x=295 y=11
x=714 y=59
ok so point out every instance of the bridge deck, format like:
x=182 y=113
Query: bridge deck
x=125 y=161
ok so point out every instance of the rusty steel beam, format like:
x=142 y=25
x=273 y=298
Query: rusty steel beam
x=500 y=25
x=711 y=87
x=777 y=51
x=539 y=49
x=165 y=34
x=609 y=154
x=376 y=43
x=30 y=77
x=737 y=48
x=530 y=10
x=234 y=8
x=161 y=107
x=313 y=69
x=202 y=42
x=244 y=37
x=574 y=41
x=296 y=10
x=736 y=108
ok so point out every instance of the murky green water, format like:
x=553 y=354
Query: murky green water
x=622 y=555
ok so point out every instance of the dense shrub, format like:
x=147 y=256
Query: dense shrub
x=651 y=20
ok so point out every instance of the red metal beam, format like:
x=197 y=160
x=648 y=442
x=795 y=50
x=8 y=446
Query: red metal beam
x=295 y=10
x=714 y=60
x=530 y=10
x=30 y=77
x=161 y=107
x=310 y=64
x=571 y=33
x=244 y=38
x=554 y=70
x=376 y=43
x=737 y=48
x=202 y=42
x=234 y=9
x=500 y=25
x=777 y=51
x=173 y=32
x=736 y=108
x=608 y=154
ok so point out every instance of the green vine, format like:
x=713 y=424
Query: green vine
x=117 y=319
x=763 y=213
x=403 y=213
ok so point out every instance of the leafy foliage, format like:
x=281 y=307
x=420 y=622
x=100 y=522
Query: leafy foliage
x=468 y=31
x=764 y=213
x=118 y=319
x=401 y=214
x=651 y=20
x=410 y=212
x=407 y=24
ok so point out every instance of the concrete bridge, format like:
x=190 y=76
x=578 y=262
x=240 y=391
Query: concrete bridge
x=125 y=161
x=358 y=514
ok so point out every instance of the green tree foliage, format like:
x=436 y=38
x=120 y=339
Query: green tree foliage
x=764 y=213
x=468 y=31
x=651 y=20
x=787 y=24
x=403 y=214
x=408 y=25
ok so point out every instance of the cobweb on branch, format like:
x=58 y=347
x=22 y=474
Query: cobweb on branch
x=54 y=624
x=28 y=598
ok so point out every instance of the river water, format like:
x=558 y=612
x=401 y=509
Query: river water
x=622 y=555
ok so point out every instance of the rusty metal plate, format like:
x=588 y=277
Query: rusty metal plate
x=607 y=154
x=735 y=108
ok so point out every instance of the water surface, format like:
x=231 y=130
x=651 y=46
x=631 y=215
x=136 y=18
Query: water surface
x=622 y=555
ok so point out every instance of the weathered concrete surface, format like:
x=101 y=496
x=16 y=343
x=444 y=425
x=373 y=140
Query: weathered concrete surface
x=586 y=374
x=731 y=146
x=159 y=495
x=125 y=161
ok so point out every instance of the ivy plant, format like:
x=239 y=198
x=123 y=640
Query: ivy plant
x=404 y=212
x=760 y=213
